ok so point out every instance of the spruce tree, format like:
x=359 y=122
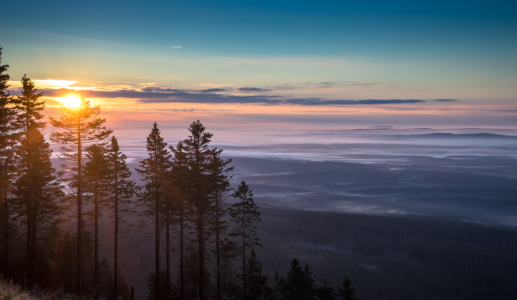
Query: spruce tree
x=300 y=284
x=80 y=127
x=179 y=189
x=245 y=215
x=197 y=184
x=96 y=172
x=257 y=283
x=325 y=291
x=220 y=186
x=36 y=188
x=346 y=291
x=8 y=128
x=121 y=189
x=29 y=117
x=153 y=171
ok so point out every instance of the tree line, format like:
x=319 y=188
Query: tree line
x=184 y=197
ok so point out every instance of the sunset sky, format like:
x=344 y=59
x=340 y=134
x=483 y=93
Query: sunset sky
x=271 y=65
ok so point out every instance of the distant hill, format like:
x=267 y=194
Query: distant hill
x=462 y=136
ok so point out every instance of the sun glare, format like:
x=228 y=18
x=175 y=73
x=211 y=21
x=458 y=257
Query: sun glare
x=70 y=101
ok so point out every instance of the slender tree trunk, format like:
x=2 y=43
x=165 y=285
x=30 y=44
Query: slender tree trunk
x=167 y=287
x=34 y=242
x=243 y=253
x=182 y=286
x=115 y=264
x=29 y=262
x=201 y=249
x=96 y=253
x=157 y=250
x=218 y=260
x=6 y=235
x=79 y=211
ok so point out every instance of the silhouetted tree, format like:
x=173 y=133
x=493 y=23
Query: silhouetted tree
x=257 y=283
x=29 y=108
x=121 y=189
x=300 y=284
x=198 y=157
x=346 y=291
x=220 y=185
x=37 y=188
x=325 y=291
x=245 y=215
x=8 y=128
x=96 y=173
x=80 y=127
x=153 y=171
x=178 y=188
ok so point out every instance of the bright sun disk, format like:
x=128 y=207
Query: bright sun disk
x=70 y=101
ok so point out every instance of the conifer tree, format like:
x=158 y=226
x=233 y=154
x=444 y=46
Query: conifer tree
x=325 y=291
x=36 y=188
x=198 y=158
x=300 y=284
x=8 y=128
x=29 y=107
x=80 y=127
x=179 y=188
x=346 y=291
x=257 y=283
x=96 y=172
x=121 y=189
x=245 y=215
x=153 y=171
x=219 y=180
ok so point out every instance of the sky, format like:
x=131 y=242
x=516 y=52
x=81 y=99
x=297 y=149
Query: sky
x=250 y=67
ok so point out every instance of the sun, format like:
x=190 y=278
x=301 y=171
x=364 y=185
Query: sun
x=70 y=101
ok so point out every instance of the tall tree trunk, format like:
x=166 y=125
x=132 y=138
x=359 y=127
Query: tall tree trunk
x=79 y=211
x=96 y=253
x=182 y=286
x=167 y=287
x=243 y=253
x=157 y=250
x=6 y=235
x=201 y=249
x=115 y=264
x=29 y=200
x=217 y=254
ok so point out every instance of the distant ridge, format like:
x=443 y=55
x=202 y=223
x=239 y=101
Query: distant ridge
x=463 y=135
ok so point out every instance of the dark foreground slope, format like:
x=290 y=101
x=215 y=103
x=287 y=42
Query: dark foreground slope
x=394 y=257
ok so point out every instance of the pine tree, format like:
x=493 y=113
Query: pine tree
x=96 y=173
x=219 y=180
x=325 y=291
x=300 y=284
x=257 y=283
x=8 y=128
x=121 y=189
x=80 y=128
x=37 y=188
x=29 y=107
x=198 y=190
x=245 y=215
x=346 y=291
x=179 y=190
x=153 y=171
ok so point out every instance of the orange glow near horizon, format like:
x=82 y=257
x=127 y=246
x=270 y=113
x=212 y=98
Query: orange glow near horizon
x=70 y=101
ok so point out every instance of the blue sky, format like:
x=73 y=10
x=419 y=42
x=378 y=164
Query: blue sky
x=309 y=50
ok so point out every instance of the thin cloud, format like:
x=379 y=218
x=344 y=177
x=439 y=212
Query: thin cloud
x=214 y=96
x=253 y=89
x=177 y=47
